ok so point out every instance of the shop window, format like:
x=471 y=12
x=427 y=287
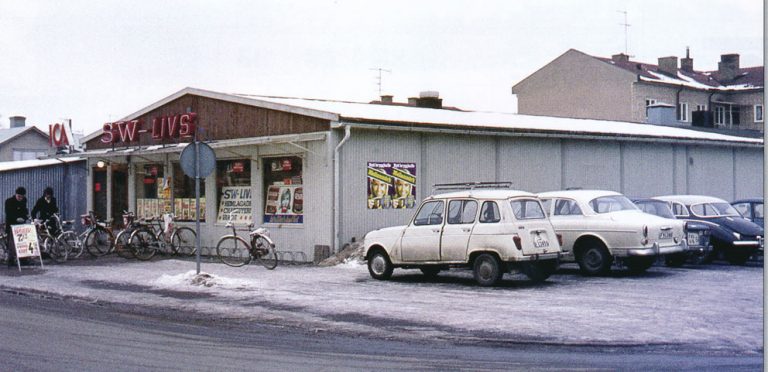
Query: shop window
x=233 y=191
x=184 y=196
x=153 y=191
x=284 y=190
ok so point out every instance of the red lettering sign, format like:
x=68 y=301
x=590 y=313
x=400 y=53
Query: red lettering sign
x=163 y=127
x=57 y=136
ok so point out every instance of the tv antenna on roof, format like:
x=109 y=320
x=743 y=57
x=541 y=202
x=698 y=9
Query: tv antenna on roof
x=378 y=78
x=626 y=31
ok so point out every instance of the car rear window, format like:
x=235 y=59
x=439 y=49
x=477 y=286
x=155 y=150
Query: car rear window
x=527 y=209
x=490 y=213
x=612 y=203
x=714 y=210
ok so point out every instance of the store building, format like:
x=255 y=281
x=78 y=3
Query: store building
x=321 y=173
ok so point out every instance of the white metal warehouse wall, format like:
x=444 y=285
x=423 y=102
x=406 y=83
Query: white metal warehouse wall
x=636 y=169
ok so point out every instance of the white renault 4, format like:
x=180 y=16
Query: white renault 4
x=490 y=231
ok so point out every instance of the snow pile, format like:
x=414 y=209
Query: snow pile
x=352 y=253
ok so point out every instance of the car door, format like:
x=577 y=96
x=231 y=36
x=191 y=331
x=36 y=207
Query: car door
x=533 y=227
x=568 y=220
x=458 y=229
x=421 y=239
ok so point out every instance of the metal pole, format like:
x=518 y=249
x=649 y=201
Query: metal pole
x=197 y=201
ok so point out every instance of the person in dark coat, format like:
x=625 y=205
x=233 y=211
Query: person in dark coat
x=45 y=207
x=15 y=209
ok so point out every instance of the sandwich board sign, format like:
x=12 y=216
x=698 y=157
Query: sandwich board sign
x=26 y=243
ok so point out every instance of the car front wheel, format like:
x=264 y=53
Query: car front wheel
x=487 y=270
x=379 y=266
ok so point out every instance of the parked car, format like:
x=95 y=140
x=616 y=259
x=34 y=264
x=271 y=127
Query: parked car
x=751 y=209
x=600 y=228
x=733 y=237
x=696 y=233
x=491 y=232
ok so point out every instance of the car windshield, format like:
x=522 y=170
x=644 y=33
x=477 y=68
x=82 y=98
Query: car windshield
x=612 y=203
x=658 y=208
x=714 y=210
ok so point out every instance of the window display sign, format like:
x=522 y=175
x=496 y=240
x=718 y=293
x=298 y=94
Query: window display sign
x=285 y=204
x=25 y=240
x=391 y=185
x=237 y=200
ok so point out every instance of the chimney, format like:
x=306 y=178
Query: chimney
x=386 y=99
x=429 y=99
x=668 y=65
x=620 y=58
x=18 y=121
x=686 y=64
x=413 y=101
x=728 y=67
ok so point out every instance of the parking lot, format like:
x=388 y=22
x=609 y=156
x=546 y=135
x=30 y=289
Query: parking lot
x=712 y=307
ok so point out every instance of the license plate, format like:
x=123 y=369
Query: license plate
x=665 y=234
x=540 y=242
x=693 y=239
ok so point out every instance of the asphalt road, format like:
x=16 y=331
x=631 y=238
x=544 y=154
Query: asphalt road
x=45 y=334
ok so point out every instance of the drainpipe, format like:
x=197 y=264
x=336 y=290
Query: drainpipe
x=336 y=183
x=677 y=102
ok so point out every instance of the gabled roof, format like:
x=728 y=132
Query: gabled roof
x=746 y=78
x=425 y=119
x=11 y=133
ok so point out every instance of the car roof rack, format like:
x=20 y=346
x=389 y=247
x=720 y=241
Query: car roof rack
x=471 y=186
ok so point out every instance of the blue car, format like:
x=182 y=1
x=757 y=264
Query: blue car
x=751 y=209
x=696 y=233
x=733 y=237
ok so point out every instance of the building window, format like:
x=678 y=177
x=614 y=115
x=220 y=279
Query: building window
x=682 y=111
x=233 y=191
x=28 y=154
x=758 y=113
x=284 y=190
x=648 y=103
x=184 y=205
x=153 y=191
x=701 y=107
x=719 y=115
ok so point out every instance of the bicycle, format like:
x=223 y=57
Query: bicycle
x=51 y=246
x=234 y=251
x=122 y=240
x=68 y=238
x=150 y=238
x=97 y=239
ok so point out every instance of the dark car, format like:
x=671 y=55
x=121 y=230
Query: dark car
x=733 y=237
x=751 y=209
x=696 y=233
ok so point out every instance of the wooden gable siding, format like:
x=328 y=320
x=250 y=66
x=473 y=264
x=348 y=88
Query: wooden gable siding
x=221 y=120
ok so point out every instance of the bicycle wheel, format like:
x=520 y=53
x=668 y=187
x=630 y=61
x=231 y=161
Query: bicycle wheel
x=143 y=244
x=183 y=241
x=233 y=251
x=123 y=244
x=99 y=241
x=70 y=241
x=264 y=251
x=56 y=251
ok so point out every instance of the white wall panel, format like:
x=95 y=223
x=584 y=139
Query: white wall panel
x=591 y=165
x=648 y=169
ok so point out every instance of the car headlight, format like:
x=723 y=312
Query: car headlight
x=737 y=235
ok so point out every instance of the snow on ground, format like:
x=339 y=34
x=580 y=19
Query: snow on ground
x=716 y=307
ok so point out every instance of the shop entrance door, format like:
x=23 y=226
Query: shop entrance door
x=119 y=192
x=99 y=193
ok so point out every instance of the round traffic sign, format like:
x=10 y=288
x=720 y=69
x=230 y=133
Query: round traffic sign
x=207 y=160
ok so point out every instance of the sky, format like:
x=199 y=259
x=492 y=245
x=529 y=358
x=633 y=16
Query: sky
x=99 y=61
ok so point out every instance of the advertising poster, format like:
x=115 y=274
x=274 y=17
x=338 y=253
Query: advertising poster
x=391 y=185
x=25 y=239
x=139 y=208
x=235 y=199
x=285 y=204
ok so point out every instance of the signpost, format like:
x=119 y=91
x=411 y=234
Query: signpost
x=197 y=160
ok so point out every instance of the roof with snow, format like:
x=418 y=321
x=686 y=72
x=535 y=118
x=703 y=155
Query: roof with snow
x=24 y=164
x=745 y=78
x=417 y=118
x=11 y=133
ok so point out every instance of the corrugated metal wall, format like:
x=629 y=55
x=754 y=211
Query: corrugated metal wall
x=638 y=169
x=67 y=180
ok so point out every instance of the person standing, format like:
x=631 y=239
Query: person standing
x=15 y=209
x=45 y=207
